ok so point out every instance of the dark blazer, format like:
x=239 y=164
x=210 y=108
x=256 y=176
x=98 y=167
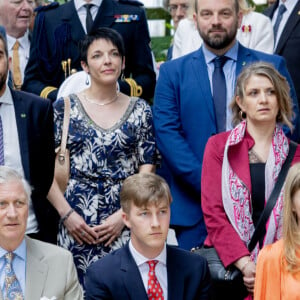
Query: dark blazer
x=289 y=43
x=58 y=30
x=184 y=119
x=116 y=276
x=34 y=117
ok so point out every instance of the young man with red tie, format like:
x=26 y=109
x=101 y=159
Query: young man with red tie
x=147 y=268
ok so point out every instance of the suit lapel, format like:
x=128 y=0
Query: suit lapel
x=36 y=272
x=105 y=15
x=131 y=276
x=71 y=18
x=175 y=276
x=293 y=20
x=244 y=58
x=198 y=64
x=22 y=123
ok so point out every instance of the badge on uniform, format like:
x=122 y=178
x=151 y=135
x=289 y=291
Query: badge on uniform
x=126 y=18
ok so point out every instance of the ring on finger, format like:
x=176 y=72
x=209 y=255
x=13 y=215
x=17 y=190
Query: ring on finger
x=82 y=233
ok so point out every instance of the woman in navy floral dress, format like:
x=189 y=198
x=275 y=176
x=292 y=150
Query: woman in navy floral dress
x=110 y=138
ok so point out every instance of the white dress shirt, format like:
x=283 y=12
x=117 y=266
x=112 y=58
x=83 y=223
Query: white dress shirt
x=290 y=5
x=81 y=10
x=12 y=154
x=160 y=269
x=24 y=50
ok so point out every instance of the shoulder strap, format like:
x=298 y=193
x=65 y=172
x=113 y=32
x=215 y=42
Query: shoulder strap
x=66 y=122
x=273 y=197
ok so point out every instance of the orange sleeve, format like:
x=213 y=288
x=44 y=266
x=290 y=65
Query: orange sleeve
x=267 y=279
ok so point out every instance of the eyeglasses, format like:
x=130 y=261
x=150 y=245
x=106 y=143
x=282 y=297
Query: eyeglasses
x=173 y=8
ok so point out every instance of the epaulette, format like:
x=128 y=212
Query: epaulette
x=46 y=7
x=132 y=2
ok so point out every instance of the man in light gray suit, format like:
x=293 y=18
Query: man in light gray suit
x=29 y=268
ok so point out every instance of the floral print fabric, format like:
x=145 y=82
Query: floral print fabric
x=100 y=160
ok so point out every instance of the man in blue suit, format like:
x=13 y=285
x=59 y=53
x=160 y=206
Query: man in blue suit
x=126 y=273
x=28 y=145
x=184 y=111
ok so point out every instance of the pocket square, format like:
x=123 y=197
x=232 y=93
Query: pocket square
x=126 y=18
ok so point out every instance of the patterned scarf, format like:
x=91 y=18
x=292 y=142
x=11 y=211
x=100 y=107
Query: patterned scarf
x=237 y=197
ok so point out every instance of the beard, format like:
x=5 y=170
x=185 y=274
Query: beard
x=221 y=40
x=3 y=77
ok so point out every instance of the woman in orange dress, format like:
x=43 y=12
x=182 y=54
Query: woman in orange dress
x=278 y=265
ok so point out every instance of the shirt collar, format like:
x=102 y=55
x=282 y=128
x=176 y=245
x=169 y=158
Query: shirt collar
x=6 y=97
x=232 y=53
x=79 y=3
x=141 y=259
x=24 y=41
x=20 y=251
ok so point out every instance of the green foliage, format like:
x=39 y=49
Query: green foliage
x=160 y=47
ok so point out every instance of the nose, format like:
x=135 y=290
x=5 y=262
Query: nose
x=11 y=211
x=263 y=97
x=216 y=18
x=180 y=11
x=27 y=5
x=154 y=221
x=107 y=58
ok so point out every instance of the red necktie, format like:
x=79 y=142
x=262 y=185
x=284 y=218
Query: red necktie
x=155 y=291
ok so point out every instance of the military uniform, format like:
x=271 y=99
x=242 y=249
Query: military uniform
x=54 y=49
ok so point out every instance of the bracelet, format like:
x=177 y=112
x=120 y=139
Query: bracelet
x=66 y=216
x=245 y=264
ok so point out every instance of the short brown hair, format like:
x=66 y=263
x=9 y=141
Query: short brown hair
x=143 y=189
x=280 y=84
x=236 y=6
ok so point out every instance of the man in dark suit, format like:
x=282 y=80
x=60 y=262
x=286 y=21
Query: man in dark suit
x=184 y=110
x=287 y=43
x=54 y=52
x=28 y=145
x=127 y=273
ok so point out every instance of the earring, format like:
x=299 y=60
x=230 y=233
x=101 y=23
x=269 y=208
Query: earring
x=242 y=115
x=122 y=76
x=87 y=81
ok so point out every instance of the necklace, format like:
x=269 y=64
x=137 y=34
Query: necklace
x=101 y=104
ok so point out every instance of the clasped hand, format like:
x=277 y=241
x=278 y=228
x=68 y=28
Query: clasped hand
x=106 y=232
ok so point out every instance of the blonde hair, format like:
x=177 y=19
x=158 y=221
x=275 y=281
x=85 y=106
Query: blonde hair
x=291 y=232
x=143 y=189
x=281 y=87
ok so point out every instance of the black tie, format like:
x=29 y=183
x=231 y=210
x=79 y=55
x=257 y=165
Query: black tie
x=89 y=18
x=281 y=11
x=219 y=92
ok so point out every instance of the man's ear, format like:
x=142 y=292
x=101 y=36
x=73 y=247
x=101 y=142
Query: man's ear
x=126 y=219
